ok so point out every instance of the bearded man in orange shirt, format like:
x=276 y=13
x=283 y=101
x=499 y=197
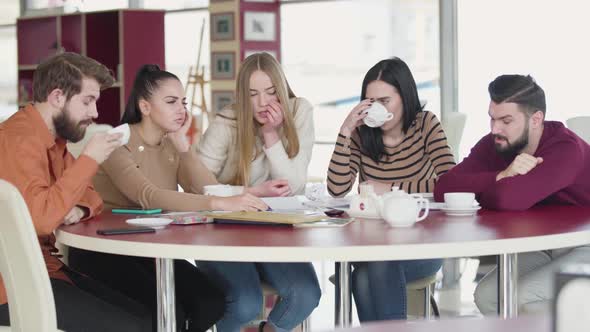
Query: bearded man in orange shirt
x=57 y=188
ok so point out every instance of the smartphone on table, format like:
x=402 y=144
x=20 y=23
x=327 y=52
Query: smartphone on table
x=126 y=230
x=334 y=212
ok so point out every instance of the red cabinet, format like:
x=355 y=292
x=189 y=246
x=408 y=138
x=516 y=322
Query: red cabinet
x=122 y=40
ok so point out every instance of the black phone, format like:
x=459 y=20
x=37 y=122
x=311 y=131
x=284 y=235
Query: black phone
x=334 y=213
x=127 y=230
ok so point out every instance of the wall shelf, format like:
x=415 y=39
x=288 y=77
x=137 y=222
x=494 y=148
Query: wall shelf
x=122 y=40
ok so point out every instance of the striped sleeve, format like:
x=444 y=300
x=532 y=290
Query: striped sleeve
x=437 y=150
x=344 y=166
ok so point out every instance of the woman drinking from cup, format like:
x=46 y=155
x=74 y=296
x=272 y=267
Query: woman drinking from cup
x=388 y=141
x=267 y=134
x=145 y=173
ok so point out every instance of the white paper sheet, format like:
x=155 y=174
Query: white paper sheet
x=285 y=203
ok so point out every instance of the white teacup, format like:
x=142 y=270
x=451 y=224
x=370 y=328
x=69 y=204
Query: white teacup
x=314 y=191
x=222 y=190
x=459 y=200
x=366 y=189
x=377 y=115
x=362 y=207
x=123 y=129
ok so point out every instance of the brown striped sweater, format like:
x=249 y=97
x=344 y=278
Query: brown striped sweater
x=413 y=165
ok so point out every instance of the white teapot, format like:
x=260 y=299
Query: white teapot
x=362 y=205
x=400 y=209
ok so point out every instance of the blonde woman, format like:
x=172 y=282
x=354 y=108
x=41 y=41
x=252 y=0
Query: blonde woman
x=266 y=135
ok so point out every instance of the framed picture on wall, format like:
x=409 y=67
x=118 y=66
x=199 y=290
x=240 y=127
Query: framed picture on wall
x=221 y=99
x=260 y=26
x=247 y=53
x=222 y=26
x=223 y=65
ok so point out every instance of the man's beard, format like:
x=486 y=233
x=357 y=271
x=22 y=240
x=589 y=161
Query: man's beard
x=67 y=129
x=514 y=148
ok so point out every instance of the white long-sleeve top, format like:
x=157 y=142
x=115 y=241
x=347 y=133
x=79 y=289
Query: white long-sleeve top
x=218 y=150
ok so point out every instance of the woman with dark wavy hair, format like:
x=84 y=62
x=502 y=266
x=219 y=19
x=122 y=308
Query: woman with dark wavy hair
x=409 y=151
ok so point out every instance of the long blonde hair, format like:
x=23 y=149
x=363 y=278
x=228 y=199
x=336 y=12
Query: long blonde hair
x=248 y=128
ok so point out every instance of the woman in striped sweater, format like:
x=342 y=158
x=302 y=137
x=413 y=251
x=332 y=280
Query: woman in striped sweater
x=411 y=152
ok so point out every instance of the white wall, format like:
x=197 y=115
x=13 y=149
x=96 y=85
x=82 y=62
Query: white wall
x=547 y=39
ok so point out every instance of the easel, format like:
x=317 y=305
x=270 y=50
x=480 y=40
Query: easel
x=194 y=80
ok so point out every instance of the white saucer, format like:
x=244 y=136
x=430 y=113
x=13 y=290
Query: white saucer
x=475 y=204
x=436 y=205
x=461 y=212
x=155 y=223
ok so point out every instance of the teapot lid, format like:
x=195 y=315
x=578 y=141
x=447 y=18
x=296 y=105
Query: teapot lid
x=396 y=192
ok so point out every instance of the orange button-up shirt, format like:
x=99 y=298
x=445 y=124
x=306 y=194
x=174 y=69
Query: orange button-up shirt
x=50 y=180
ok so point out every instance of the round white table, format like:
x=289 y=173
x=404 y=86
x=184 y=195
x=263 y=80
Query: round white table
x=487 y=233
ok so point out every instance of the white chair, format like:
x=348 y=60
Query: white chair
x=581 y=126
x=453 y=124
x=76 y=148
x=25 y=276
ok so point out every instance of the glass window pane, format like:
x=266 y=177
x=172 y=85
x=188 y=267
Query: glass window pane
x=183 y=37
x=9 y=11
x=8 y=72
x=79 y=5
x=174 y=4
x=555 y=54
x=94 y=5
x=328 y=68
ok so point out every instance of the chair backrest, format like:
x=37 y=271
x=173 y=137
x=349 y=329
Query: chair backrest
x=76 y=148
x=453 y=124
x=581 y=126
x=30 y=297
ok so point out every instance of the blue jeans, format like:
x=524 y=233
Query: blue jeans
x=379 y=288
x=296 y=284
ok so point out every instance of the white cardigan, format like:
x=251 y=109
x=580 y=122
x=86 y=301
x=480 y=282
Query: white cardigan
x=218 y=150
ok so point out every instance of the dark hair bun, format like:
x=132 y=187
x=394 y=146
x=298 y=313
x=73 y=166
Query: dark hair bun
x=149 y=68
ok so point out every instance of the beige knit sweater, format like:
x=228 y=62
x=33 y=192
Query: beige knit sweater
x=218 y=150
x=147 y=176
